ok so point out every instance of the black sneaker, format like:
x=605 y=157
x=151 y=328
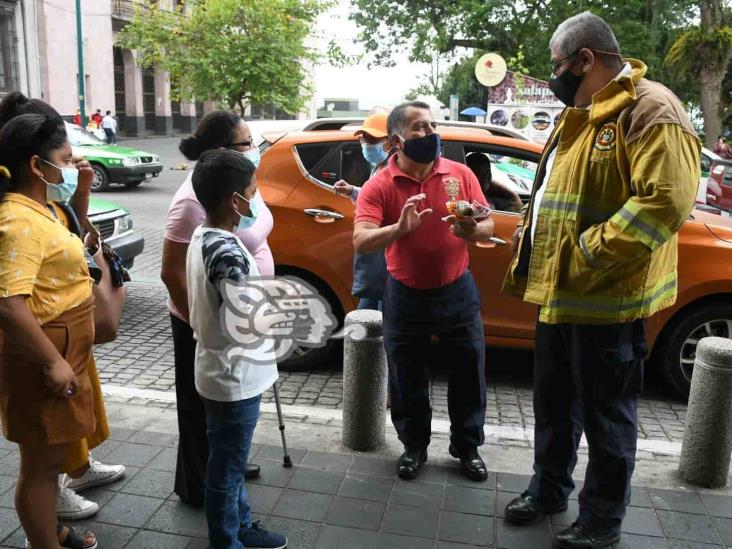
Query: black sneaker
x=257 y=537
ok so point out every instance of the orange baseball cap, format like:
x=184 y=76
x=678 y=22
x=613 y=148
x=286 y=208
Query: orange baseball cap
x=374 y=125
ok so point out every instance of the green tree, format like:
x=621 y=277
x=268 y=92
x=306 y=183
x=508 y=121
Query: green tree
x=232 y=51
x=425 y=29
x=704 y=52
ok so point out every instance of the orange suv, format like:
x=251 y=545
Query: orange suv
x=312 y=238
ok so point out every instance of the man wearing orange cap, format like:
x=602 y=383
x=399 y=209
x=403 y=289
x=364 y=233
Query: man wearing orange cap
x=369 y=270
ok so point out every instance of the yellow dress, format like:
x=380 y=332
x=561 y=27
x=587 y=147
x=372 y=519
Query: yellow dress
x=78 y=453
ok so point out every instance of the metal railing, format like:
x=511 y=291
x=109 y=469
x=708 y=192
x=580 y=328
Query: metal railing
x=126 y=9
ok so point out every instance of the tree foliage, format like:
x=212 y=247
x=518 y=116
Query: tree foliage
x=425 y=29
x=232 y=51
x=704 y=52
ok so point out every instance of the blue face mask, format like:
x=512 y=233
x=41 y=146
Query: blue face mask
x=63 y=191
x=246 y=222
x=253 y=156
x=374 y=154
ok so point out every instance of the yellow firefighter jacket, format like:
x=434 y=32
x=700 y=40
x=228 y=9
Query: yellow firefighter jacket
x=623 y=181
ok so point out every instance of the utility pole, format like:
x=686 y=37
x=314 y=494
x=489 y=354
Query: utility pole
x=80 y=56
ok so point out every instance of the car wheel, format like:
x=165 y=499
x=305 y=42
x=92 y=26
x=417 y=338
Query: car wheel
x=677 y=349
x=101 y=179
x=308 y=358
x=133 y=184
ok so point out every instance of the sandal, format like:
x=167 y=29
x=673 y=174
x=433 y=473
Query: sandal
x=71 y=539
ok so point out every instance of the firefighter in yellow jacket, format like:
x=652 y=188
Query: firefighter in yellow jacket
x=597 y=252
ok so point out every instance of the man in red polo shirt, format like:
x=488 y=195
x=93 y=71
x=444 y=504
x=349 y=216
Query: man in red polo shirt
x=430 y=289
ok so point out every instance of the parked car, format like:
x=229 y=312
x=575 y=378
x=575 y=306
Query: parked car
x=707 y=159
x=115 y=225
x=719 y=184
x=312 y=239
x=112 y=163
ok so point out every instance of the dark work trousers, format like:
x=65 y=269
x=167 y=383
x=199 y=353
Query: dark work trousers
x=190 y=470
x=587 y=378
x=453 y=314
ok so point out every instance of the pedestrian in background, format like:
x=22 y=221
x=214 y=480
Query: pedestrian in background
x=230 y=388
x=96 y=118
x=598 y=254
x=722 y=148
x=109 y=125
x=369 y=270
x=429 y=289
x=218 y=129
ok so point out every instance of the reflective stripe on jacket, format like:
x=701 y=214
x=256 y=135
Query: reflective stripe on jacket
x=623 y=181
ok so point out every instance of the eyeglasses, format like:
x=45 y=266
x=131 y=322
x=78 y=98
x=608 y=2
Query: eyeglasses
x=558 y=63
x=245 y=144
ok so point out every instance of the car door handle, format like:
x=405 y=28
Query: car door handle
x=492 y=243
x=323 y=216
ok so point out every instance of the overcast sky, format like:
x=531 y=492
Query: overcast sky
x=379 y=86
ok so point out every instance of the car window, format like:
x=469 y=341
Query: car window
x=354 y=167
x=311 y=154
x=511 y=175
x=79 y=137
x=728 y=176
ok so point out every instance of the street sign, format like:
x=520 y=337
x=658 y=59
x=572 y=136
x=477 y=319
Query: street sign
x=490 y=70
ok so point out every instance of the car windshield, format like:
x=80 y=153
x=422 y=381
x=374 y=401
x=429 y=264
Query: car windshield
x=79 y=137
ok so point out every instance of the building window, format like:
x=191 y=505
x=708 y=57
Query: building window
x=8 y=48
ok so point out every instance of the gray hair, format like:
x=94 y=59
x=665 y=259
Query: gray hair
x=586 y=30
x=398 y=117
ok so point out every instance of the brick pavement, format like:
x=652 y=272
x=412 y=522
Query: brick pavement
x=337 y=500
x=142 y=357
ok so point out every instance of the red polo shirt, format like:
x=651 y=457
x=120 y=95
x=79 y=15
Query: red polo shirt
x=430 y=256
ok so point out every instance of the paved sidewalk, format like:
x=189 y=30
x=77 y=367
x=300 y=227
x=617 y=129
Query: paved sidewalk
x=333 y=499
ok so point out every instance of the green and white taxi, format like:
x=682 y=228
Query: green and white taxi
x=113 y=164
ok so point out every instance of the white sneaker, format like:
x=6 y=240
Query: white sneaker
x=71 y=506
x=97 y=475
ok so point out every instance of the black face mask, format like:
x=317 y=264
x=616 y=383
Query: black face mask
x=423 y=150
x=565 y=87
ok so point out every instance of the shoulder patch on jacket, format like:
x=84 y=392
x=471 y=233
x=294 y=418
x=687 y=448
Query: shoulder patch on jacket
x=655 y=104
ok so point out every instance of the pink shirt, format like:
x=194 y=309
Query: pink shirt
x=186 y=214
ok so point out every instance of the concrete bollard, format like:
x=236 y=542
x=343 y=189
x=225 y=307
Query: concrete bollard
x=707 y=445
x=364 y=381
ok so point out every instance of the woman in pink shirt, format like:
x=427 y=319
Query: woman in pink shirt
x=218 y=129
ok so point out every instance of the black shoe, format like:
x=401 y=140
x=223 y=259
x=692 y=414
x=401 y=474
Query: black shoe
x=525 y=509
x=472 y=464
x=578 y=537
x=410 y=463
x=252 y=471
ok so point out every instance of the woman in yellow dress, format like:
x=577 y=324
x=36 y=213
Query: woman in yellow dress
x=46 y=324
x=80 y=470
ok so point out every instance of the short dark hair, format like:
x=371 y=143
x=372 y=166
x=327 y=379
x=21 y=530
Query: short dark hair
x=477 y=160
x=398 y=116
x=109 y=112
x=23 y=137
x=215 y=130
x=218 y=174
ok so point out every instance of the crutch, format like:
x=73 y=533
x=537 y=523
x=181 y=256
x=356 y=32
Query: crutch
x=286 y=461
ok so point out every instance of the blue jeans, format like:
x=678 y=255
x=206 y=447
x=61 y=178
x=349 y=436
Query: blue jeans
x=369 y=303
x=230 y=427
x=411 y=316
